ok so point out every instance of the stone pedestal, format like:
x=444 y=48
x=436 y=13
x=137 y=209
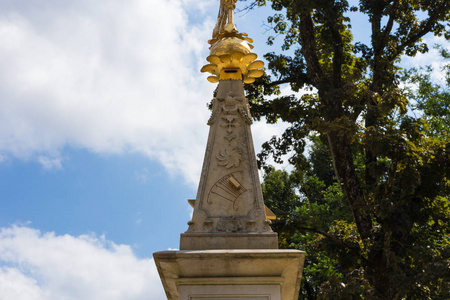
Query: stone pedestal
x=230 y=274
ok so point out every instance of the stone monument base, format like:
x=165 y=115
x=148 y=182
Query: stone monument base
x=231 y=274
x=210 y=241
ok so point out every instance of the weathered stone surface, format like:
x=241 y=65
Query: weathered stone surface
x=229 y=197
x=258 y=268
x=202 y=241
x=227 y=291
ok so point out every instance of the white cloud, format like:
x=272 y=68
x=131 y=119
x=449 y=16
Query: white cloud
x=17 y=286
x=108 y=76
x=50 y=163
x=431 y=58
x=44 y=266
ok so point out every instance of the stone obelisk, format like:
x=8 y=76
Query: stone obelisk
x=229 y=250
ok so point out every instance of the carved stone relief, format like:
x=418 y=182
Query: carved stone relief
x=229 y=157
x=231 y=105
x=227 y=188
x=229 y=122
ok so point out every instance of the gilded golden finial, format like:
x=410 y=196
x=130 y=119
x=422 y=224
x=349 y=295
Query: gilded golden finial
x=231 y=57
x=225 y=16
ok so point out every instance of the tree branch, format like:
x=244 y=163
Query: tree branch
x=426 y=25
x=390 y=23
x=335 y=240
x=308 y=39
x=332 y=24
x=302 y=76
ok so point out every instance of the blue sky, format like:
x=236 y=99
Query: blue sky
x=102 y=136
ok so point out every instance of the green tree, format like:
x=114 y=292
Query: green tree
x=303 y=205
x=391 y=168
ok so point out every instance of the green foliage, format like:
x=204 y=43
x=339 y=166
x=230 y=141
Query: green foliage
x=369 y=202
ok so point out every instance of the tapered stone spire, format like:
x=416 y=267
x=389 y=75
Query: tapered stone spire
x=229 y=211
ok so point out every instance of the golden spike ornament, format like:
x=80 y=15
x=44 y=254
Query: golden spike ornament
x=230 y=51
x=225 y=16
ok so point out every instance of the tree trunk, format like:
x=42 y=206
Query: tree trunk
x=346 y=174
x=380 y=271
